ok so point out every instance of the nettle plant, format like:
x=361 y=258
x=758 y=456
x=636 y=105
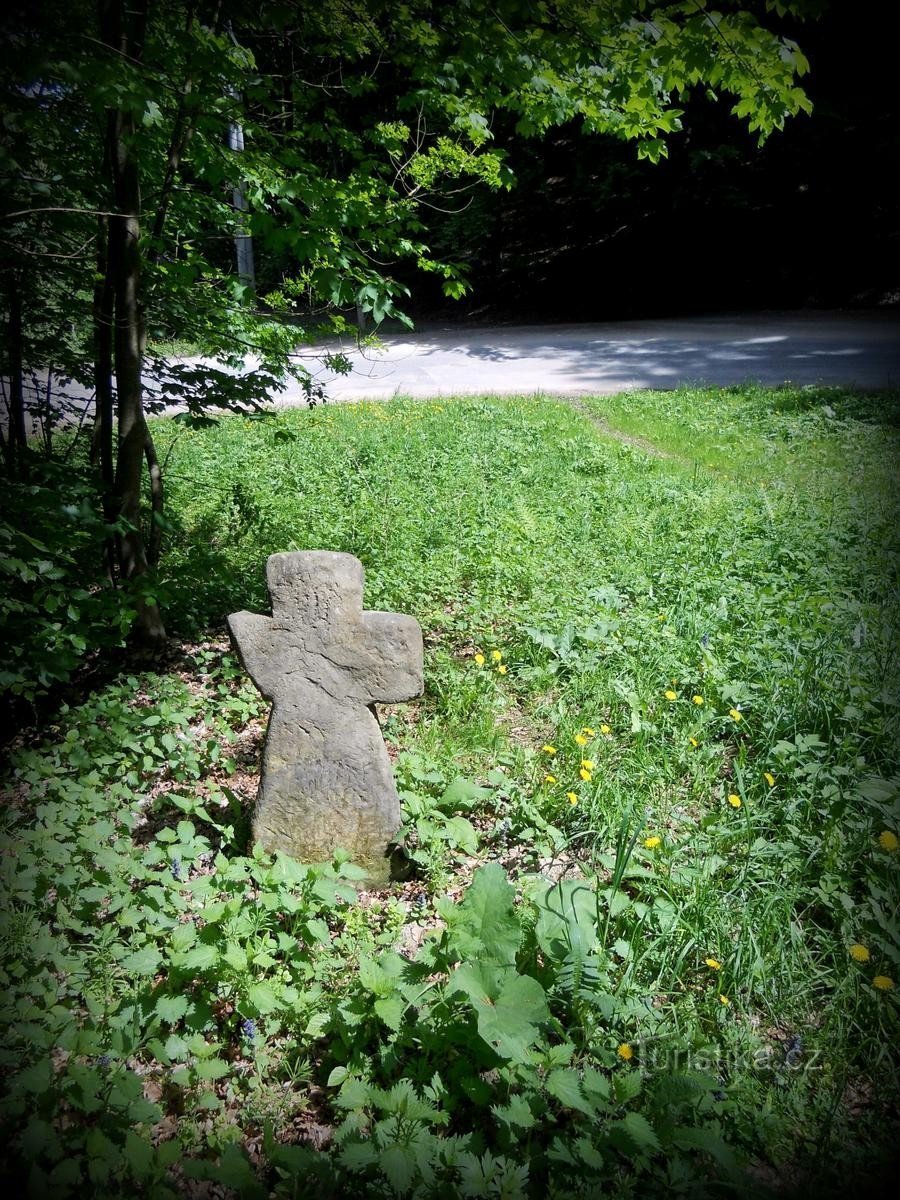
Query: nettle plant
x=495 y=1062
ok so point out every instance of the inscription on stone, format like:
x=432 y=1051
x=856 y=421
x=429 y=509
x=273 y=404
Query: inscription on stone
x=324 y=662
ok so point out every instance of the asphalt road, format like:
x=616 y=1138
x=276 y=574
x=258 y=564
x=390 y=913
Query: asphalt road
x=854 y=349
x=859 y=349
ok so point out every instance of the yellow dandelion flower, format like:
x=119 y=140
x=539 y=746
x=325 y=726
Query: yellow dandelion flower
x=769 y=778
x=587 y=731
x=724 y=1000
x=625 y=1051
x=548 y=749
x=571 y=797
x=859 y=953
x=735 y=714
x=585 y=775
x=884 y=983
x=605 y=729
x=888 y=841
x=652 y=842
x=588 y=764
x=496 y=655
x=693 y=742
x=713 y=964
x=698 y=700
x=479 y=660
x=580 y=739
x=734 y=800
x=549 y=779
x=670 y=695
x=501 y=670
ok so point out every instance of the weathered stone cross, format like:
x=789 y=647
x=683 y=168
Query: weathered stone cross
x=326 y=777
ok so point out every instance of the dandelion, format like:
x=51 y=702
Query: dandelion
x=652 y=842
x=713 y=964
x=585 y=774
x=479 y=660
x=888 y=841
x=625 y=1052
x=571 y=797
x=580 y=739
x=884 y=983
x=496 y=655
x=605 y=729
x=548 y=749
x=588 y=764
x=587 y=731
x=670 y=695
x=549 y=779
x=859 y=953
x=693 y=742
x=735 y=714
x=698 y=700
x=724 y=1000
x=734 y=800
x=769 y=778
x=501 y=670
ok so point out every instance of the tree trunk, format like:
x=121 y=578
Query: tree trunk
x=154 y=542
x=18 y=438
x=123 y=31
x=103 y=308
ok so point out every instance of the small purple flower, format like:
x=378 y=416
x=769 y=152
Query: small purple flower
x=704 y=641
x=104 y=1060
x=248 y=1028
x=176 y=869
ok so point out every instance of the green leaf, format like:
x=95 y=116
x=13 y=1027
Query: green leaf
x=399 y=1165
x=263 y=998
x=171 y=1008
x=510 y=1008
x=484 y=925
x=708 y=1141
x=212 y=1068
x=517 y=1112
x=634 y=1135
x=200 y=958
x=461 y=793
x=142 y=962
x=139 y=1155
x=460 y=832
x=391 y=1009
x=565 y=1085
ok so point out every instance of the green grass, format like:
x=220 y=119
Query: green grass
x=751 y=561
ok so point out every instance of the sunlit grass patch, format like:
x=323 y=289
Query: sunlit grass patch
x=654 y=767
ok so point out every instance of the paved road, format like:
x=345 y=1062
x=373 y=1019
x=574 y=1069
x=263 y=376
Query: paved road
x=861 y=349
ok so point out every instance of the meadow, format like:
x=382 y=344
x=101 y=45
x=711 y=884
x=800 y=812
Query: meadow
x=646 y=942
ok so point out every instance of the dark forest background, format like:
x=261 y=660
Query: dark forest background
x=590 y=233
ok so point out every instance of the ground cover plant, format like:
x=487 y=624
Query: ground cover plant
x=648 y=942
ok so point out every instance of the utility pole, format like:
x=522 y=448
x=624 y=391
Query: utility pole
x=243 y=242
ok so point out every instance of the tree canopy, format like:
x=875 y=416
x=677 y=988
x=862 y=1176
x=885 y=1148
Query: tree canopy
x=123 y=191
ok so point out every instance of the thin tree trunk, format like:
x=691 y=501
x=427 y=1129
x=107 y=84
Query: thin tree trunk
x=123 y=30
x=104 y=299
x=154 y=542
x=18 y=437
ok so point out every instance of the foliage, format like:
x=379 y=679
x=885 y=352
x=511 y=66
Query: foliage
x=52 y=615
x=652 y=923
x=136 y=100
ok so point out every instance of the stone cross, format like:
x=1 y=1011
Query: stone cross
x=326 y=777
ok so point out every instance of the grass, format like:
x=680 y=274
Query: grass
x=705 y=615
